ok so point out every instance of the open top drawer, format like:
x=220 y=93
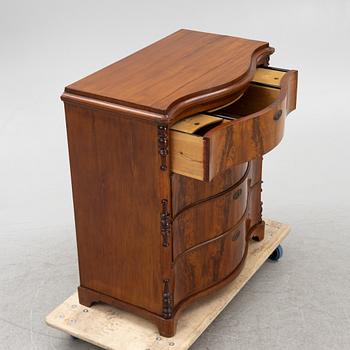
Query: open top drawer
x=206 y=144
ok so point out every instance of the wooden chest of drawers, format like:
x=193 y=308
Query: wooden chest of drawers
x=166 y=153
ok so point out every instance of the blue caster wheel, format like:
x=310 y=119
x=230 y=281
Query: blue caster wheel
x=276 y=254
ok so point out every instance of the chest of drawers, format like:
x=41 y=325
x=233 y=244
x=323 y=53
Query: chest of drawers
x=166 y=151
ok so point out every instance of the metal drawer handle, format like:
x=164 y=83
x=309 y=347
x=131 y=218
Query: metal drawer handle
x=237 y=194
x=236 y=235
x=278 y=115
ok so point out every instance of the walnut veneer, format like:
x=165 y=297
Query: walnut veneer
x=166 y=153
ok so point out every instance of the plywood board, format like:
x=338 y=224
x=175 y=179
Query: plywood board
x=268 y=76
x=114 y=329
x=192 y=124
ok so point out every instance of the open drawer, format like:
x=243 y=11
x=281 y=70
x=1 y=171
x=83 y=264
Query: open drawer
x=206 y=144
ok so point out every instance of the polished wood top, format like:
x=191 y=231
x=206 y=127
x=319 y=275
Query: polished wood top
x=185 y=68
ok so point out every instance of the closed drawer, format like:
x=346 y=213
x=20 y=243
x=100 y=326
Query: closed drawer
x=237 y=133
x=188 y=192
x=207 y=264
x=209 y=219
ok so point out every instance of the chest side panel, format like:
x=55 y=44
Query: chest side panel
x=115 y=172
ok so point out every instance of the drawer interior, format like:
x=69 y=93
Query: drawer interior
x=188 y=153
x=255 y=98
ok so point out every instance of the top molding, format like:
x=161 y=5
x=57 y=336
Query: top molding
x=182 y=74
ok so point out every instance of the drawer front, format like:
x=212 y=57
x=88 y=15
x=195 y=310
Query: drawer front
x=209 y=263
x=246 y=138
x=187 y=191
x=256 y=127
x=209 y=219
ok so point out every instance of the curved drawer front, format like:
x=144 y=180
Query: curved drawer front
x=187 y=191
x=205 y=265
x=249 y=136
x=249 y=128
x=209 y=219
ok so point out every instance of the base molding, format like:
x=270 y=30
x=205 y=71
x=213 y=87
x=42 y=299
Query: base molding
x=167 y=326
x=257 y=232
x=113 y=328
x=89 y=297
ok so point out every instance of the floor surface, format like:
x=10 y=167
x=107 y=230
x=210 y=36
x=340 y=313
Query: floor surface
x=302 y=302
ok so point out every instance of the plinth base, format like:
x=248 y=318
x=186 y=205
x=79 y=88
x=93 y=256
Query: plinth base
x=113 y=329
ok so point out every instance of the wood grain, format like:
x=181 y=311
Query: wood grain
x=184 y=72
x=259 y=126
x=152 y=242
x=115 y=216
x=114 y=329
x=209 y=263
x=192 y=125
x=258 y=131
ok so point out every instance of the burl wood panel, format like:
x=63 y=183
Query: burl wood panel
x=257 y=127
x=116 y=191
x=187 y=191
x=187 y=155
x=203 y=226
x=255 y=207
x=127 y=332
x=209 y=263
x=210 y=218
x=185 y=72
x=257 y=133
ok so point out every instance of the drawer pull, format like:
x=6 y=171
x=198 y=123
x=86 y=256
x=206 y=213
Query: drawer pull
x=277 y=115
x=236 y=235
x=237 y=194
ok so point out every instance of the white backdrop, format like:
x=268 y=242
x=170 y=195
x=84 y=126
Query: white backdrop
x=45 y=45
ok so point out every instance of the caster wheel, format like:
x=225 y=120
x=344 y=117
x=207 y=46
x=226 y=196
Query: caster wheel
x=276 y=254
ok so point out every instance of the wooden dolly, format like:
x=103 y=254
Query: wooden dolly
x=113 y=329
